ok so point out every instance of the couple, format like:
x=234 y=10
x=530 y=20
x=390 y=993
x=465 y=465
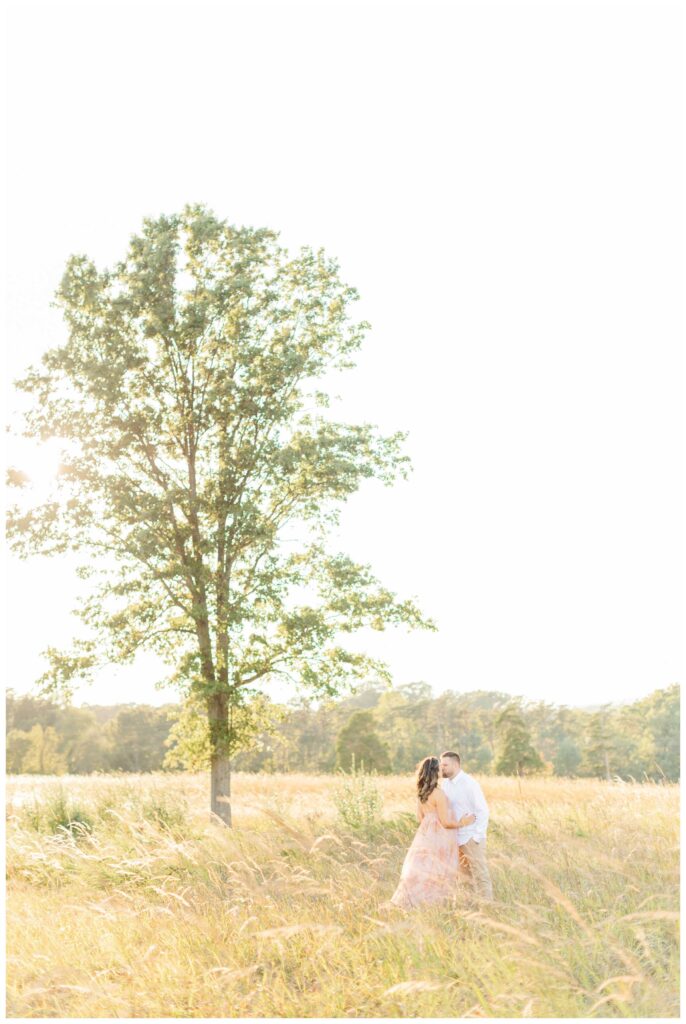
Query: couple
x=451 y=839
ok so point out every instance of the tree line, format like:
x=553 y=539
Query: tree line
x=383 y=730
x=191 y=396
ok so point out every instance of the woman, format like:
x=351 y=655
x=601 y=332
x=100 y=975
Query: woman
x=429 y=873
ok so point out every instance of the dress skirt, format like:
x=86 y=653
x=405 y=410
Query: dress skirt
x=429 y=872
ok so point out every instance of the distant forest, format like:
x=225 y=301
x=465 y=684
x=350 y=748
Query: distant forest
x=377 y=729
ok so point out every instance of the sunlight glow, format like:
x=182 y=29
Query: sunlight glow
x=40 y=462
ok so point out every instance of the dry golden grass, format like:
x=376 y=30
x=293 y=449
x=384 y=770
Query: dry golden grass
x=282 y=916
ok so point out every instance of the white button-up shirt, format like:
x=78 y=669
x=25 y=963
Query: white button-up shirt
x=465 y=796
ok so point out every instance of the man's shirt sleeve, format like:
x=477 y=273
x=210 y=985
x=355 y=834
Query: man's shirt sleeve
x=480 y=810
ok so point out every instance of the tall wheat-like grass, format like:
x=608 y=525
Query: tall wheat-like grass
x=149 y=910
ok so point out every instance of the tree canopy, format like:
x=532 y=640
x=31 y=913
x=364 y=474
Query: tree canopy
x=304 y=737
x=195 y=434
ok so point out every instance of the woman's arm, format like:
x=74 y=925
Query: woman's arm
x=444 y=815
x=443 y=810
x=420 y=810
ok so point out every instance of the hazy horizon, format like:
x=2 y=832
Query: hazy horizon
x=160 y=698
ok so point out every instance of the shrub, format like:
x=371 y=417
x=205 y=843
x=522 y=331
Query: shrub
x=358 y=801
x=58 y=814
x=167 y=816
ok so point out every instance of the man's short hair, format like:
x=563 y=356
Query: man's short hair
x=451 y=753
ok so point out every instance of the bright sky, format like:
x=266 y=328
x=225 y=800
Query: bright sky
x=502 y=183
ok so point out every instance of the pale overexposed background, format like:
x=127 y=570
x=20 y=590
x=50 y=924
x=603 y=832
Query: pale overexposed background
x=502 y=183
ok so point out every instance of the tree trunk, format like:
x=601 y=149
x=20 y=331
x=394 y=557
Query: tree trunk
x=220 y=788
x=220 y=762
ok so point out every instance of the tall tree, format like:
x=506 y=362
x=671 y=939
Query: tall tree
x=567 y=757
x=83 y=742
x=516 y=752
x=24 y=711
x=18 y=743
x=662 y=725
x=599 y=754
x=358 y=745
x=399 y=722
x=186 y=393
x=137 y=737
x=43 y=756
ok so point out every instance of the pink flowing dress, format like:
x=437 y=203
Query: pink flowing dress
x=429 y=873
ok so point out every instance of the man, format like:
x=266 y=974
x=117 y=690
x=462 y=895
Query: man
x=466 y=797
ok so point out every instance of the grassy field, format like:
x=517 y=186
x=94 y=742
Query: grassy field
x=151 y=911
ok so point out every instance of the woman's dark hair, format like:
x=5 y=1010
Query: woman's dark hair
x=427 y=777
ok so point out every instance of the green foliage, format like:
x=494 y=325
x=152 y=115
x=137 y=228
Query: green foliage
x=359 y=743
x=161 y=811
x=252 y=718
x=186 y=397
x=642 y=739
x=567 y=758
x=466 y=723
x=42 y=754
x=358 y=802
x=80 y=746
x=396 y=717
x=57 y=813
x=137 y=739
x=83 y=741
x=659 y=728
x=17 y=746
x=517 y=756
x=599 y=757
